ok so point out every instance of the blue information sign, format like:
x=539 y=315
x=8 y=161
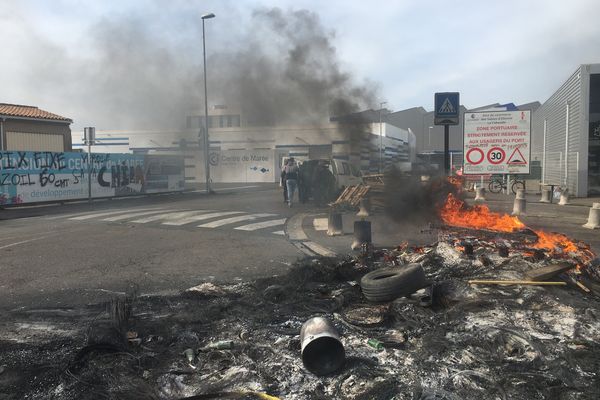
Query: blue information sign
x=447 y=108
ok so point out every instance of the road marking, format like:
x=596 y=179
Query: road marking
x=107 y=213
x=294 y=228
x=170 y=215
x=62 y=216
x=317 y=248
x=23 y=241
x=222 y=189
x=233 y=220
x=320 y=224
x=132 y=215
x=234 y=188
x=261 y=225
x=202 y=217
x=282 y=233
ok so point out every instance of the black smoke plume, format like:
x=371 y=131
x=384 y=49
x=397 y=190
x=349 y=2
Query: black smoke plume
x=143 y=69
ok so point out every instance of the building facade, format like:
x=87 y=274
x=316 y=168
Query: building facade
x=566 y=133
x=255 y=154
x=28 y=128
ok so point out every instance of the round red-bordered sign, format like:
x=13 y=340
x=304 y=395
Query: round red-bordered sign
x=475 y=162
x=496 y=155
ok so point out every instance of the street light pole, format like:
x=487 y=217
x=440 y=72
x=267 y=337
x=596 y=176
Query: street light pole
x=430 y=128
x=206 y=141
x=381 y=138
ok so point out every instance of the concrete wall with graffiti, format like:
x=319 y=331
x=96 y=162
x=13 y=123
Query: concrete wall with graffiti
x=30 y=177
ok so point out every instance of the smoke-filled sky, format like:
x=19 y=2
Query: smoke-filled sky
x=137 y=64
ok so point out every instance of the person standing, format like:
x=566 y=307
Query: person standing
x=285 y=196
x=291 y=179
x=323 y=183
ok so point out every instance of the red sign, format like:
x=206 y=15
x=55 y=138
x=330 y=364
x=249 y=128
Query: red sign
x=496 y=155
x=470 y=155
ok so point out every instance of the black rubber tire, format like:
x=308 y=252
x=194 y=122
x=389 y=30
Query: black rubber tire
x=390 y=283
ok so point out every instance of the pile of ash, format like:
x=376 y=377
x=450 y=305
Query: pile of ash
x=242 y=340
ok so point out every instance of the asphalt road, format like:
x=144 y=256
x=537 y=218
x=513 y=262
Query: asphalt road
x=75 y=254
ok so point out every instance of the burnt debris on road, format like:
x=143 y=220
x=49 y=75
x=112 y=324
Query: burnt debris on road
x=453 y=339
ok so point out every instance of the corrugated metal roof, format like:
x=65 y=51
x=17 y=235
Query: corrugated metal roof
x=18 y=110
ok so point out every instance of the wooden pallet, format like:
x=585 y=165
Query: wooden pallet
x=351 y=196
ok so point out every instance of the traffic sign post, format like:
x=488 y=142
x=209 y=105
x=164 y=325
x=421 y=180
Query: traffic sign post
x=447 y=112
x=89 y=137
x=497 y=142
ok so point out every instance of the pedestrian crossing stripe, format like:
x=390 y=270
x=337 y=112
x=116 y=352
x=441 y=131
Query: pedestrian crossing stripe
x=107 y=213
x=174 y=217
x=122 y=217
x=261 y=225
x=233 y=220
x=194 y=218
x=447 y=107
x=169 y=215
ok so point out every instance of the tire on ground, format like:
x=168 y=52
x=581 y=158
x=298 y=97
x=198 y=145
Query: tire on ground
x=390 y=283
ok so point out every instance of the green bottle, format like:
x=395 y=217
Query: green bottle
x=376 y=344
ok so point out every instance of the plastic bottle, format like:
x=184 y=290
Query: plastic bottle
x=376 y=344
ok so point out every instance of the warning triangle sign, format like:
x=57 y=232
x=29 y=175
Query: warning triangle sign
x=516 y=158
x=447 y=107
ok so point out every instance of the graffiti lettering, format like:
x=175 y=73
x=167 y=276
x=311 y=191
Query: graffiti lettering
x=7 y=179
x=48 y=159
x=77 y=176
x=8 y=162
x=27 y=176
x=22 y=162
x=101 y=180
x=46 y=177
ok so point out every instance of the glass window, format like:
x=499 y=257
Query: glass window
x=346 y=167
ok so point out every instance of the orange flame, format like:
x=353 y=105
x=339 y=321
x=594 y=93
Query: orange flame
x=456 y=213
x=456 y=181
x=554 y=241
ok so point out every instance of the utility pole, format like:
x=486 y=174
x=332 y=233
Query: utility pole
x=206 y=140
x=89 y=136
x=381 y=137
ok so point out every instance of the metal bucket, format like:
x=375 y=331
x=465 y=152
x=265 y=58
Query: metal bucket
x=322 y=350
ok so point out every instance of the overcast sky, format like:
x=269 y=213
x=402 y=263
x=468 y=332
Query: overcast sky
x=508 y=51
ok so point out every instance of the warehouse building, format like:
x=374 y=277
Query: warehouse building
x=566 y=133
x=240 y=152
x=28 y=128
x=430 y=137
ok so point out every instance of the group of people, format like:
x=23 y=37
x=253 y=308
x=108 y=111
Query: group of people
x=317 y=182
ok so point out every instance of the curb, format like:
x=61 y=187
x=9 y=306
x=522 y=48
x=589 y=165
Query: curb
x=298 y=238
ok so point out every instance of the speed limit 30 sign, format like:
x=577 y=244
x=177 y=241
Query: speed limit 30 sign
x=497 y=142
x=496 y=155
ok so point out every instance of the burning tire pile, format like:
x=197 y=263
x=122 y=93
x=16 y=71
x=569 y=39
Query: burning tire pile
x=416 y=329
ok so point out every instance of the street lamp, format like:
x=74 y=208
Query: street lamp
x=206 y=141
x=381 y=138
x=430 y=128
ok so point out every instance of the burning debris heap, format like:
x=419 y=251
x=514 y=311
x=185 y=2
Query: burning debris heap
x=453 y=340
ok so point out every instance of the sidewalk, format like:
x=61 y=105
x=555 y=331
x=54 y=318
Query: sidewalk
x=387 y=234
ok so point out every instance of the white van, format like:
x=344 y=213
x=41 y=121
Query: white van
x=345 y=174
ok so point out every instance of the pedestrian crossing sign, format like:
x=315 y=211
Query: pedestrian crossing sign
x=447 y=108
